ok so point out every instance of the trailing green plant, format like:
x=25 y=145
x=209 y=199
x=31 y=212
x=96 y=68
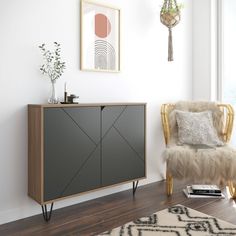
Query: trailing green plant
x=171 y=7
x=53 y=66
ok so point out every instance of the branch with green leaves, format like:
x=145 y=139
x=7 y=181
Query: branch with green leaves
x=53 y=66
x=171 y=7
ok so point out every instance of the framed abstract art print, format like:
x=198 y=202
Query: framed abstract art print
x=100 y=37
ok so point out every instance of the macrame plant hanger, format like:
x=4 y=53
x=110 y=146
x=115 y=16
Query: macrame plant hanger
x=170 y=17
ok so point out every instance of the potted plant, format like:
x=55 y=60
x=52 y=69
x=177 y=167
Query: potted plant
x=170 y=17
x=53 y=67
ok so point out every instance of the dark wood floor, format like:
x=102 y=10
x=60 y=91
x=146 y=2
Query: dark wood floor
x=96 y=216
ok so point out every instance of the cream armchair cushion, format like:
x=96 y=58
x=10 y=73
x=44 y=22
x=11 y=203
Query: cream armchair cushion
x=211 y=165
x=196 y=128
x=217 y=117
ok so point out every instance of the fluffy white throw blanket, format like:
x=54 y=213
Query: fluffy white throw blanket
x=213 y=165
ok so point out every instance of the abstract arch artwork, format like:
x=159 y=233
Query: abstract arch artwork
x=100 y=37
x=105 y=55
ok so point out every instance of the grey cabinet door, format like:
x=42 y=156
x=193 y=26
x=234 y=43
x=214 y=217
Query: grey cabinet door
x=71 y=151
x=123 y=143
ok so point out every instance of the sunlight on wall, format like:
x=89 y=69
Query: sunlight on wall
x=228 y=54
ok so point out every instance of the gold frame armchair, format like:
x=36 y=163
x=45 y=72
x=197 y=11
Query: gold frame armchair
x=226 y=131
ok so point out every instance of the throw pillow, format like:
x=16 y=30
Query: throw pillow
x=196 y=128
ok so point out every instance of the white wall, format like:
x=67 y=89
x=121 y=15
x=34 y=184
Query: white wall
x=204 y=49
x=146 y=77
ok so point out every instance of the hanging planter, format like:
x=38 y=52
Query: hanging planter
x=170 y=17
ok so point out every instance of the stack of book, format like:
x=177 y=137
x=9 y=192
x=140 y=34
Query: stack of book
x=203 y=191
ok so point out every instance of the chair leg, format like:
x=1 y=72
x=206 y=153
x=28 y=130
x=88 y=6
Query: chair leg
x=232 y=189
x=169 y=184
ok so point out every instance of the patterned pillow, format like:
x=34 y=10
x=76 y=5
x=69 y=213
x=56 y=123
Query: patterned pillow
x=196 y=128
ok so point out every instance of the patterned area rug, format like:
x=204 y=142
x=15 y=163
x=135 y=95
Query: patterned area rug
x=175 y=221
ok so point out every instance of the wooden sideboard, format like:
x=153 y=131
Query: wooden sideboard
x=73 y=149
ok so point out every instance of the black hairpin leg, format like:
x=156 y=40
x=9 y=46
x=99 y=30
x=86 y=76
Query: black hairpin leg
x=135 y=186
x=47 y=214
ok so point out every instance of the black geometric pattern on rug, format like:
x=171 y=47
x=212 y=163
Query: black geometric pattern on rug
x=177 y=220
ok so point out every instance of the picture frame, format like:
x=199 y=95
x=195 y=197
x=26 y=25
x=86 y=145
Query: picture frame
x=99 y=37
